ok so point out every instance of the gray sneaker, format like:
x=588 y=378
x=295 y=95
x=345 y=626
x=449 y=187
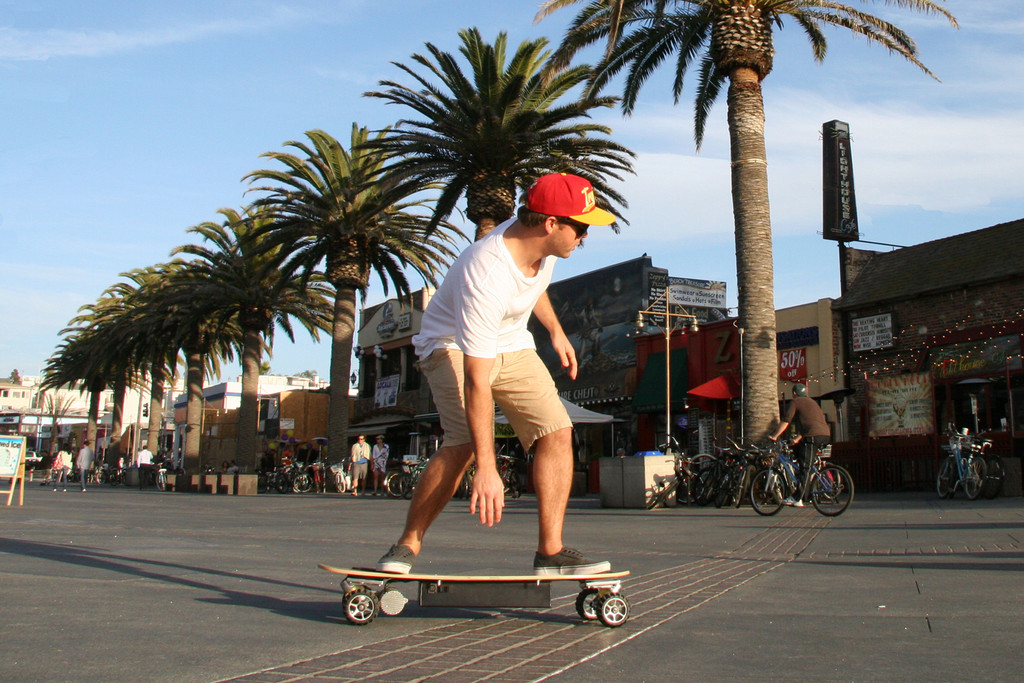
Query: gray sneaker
x=398 y=560
x=568 y=562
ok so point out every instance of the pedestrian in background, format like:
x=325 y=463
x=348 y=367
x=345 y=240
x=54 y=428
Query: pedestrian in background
x=84 y=462
x=380 y=463
x=61 y=467
x=359 y=463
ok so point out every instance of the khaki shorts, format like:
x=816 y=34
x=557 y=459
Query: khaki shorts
x=522 y=388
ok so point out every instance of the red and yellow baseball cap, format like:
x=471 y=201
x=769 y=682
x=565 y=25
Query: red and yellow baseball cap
x=567 y=195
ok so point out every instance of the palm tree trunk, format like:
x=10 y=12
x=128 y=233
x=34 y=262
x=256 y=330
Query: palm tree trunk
x=248 y=409
x=95 y=395
x=114 y=451
x=158 y=376
x=193 y=411
x=341 y=365
x=754 y=269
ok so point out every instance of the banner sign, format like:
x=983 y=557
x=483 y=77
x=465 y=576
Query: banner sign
x=793 y=364
x=872 y=332
x=839 y=203
x=385 y=394
x=901 y=405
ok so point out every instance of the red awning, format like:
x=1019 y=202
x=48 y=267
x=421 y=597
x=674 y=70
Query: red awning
x=721 y=387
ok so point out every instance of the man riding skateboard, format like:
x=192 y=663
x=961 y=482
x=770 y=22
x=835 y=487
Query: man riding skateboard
x=475 y=350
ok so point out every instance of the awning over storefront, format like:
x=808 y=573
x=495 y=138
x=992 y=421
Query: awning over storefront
x=376 y=425
x=650 y=391
x=577 y=414
x=721 y=388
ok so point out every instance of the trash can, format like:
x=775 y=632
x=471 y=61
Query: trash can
x=629 y=482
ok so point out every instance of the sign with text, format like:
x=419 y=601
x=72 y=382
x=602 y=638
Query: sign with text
x=839 y=202
x=901 y=405
x=12 y=464
x=793 y=364
x=699 y=293
x=385 y=394
x=872 y=332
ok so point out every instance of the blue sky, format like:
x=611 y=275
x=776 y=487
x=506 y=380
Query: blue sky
x=125 y=123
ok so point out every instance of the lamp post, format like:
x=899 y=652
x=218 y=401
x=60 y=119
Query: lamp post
x=670 y=325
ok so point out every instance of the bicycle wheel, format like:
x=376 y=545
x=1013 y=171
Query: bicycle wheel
x=512 y=487
x=974 y=477
x=663 y=495
x=723 y=489
x=409 y=484
x=994 y=475
x=393 y=483
x=302 y=483
x=946 y=480
x=831 y=490
x=744 y=485
x=765 y=492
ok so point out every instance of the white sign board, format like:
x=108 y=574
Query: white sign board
x=12 y=456
x=702 y=293
x=386 y=392
x=872 y=332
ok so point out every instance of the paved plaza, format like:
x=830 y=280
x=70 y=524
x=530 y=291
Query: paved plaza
x=119 y=584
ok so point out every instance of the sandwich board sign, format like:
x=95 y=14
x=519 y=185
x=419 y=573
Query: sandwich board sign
x=12 y=464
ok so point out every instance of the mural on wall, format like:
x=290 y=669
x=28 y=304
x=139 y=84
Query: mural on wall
x=597 y=312
x=901 y=405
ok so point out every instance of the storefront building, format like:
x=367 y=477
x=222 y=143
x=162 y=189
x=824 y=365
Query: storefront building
x=933 y=342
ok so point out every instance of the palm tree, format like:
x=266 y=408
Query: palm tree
x=102 y=356
x=499 y=128
x=57 y=405
x=731 y=40
x=185 y=319
x=239 y=277
x=330 y=205
x=75 y=363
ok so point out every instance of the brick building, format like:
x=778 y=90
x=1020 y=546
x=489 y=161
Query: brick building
x=933 y=339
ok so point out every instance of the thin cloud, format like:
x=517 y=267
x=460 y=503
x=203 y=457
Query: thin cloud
x=21 y=45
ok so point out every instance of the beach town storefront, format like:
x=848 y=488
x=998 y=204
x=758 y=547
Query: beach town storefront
x=933 y=336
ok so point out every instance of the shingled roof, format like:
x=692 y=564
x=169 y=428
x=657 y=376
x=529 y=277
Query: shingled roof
x=972 y=258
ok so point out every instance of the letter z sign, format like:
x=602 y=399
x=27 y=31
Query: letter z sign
x=793 y=364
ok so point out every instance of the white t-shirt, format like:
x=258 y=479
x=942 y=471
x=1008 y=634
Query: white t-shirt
x=484 y=303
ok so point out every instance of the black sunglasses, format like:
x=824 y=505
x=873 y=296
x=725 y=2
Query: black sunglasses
x=580 y=228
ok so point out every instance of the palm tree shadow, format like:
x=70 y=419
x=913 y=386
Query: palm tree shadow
x=163 y=572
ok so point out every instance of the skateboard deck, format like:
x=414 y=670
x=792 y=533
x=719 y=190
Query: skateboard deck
x=364 y=573
x=368 y=592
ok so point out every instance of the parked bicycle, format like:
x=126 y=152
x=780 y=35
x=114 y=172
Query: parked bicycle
x=963 y=468
x=401 y=483
x=309 y=478
x=691 y=484
x=831 y=486
x=509 y=475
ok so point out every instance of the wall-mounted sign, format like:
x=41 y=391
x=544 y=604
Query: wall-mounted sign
x=872 y=332
x=901 y=405
x=839 y=202
x=791 y=339
x=793 y=364
x=386 y=391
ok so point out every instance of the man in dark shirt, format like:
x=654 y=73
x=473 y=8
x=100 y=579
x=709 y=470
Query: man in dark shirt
x=813 y=433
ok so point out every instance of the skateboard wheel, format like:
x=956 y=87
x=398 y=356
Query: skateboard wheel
x=585 y=604
x=361 y=606
x=612 y=609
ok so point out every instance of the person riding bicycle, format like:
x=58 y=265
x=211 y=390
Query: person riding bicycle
x=812 y=433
